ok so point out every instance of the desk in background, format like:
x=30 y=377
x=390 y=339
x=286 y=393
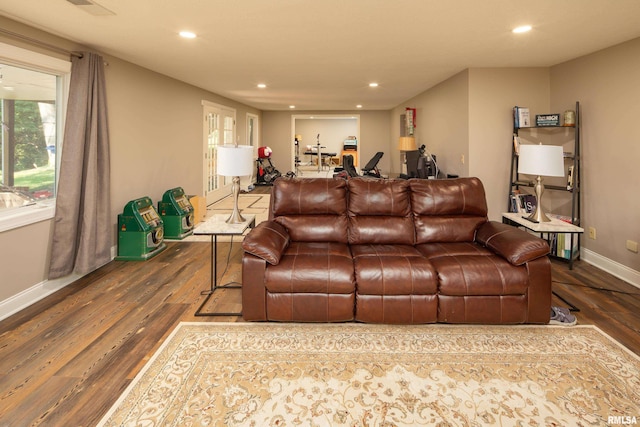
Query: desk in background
x=326 y=158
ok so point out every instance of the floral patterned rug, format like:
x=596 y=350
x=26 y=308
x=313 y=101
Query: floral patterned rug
x=257 y=374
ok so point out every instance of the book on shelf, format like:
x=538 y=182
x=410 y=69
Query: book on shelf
x=570 y=178
x=561 y=245
x=521 y=117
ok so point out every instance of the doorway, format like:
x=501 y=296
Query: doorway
x=330 y=131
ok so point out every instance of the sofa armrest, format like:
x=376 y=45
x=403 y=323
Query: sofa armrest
x=513 y=244
x=267 y=241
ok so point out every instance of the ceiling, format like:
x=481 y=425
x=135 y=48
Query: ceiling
x=322 y=54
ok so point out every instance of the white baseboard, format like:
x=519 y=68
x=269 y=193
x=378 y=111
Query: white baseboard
x=34 y=294
x=612 y=267
x=30 y=296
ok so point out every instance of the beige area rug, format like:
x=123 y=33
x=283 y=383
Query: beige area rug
x=256 y=374
x=254 y=204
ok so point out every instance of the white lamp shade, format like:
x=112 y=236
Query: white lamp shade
x=235 y=161
x=542 y=160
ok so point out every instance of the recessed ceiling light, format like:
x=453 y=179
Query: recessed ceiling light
x=262 y=85
x=359 y=106
x=292 y=106
x=373 y=84
x=187 y=34
x=522 y=29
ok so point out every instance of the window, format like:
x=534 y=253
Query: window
x=32 y=100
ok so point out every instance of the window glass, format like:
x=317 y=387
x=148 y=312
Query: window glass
x=29 y=138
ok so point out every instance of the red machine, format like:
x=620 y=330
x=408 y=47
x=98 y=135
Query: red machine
x=266 y=172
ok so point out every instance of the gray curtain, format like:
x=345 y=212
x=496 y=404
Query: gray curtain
x=82 y=232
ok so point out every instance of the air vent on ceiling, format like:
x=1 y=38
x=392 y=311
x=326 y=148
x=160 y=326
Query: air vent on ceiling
x=91 y=7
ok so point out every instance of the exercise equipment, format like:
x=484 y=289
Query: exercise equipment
x=140 y=231
x=349 y=170
x=177 y=214
x=371 y=168
x=266 y=172
x=421 y=164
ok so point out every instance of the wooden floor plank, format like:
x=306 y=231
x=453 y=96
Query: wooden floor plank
x=84 y=403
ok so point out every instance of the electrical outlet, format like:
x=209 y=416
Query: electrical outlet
x=592 y=233
x=632 y=246
x=462 y=158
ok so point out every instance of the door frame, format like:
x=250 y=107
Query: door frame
x=222 y=186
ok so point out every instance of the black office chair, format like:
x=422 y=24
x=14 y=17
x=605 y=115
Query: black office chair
x=371 y=168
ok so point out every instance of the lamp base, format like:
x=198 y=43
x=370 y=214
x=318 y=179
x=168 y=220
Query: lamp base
x=235 y=217
x=538 y=215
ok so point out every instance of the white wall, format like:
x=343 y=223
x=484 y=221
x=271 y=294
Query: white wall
x=493 y=92
x=442 y=115
x=607 y=84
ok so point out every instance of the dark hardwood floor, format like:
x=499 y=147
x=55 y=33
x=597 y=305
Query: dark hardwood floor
x=66 y=359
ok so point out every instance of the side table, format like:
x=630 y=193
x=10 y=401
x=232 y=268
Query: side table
x=216 y=226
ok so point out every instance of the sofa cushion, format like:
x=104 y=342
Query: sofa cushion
x=384 y=250
x=380 y=212
x=447 y=210
x=309 y=196
x=314 y=282
x=393 y=270
x=395 y=284
x=315 y=228
x=395 y=275
x=434 y=250
x=317 y=267
x=479 y=275
x=311 y=209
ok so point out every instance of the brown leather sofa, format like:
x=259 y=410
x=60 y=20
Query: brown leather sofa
x=391 y=251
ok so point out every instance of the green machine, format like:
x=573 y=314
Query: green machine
x=177 y=213
x=140 y=231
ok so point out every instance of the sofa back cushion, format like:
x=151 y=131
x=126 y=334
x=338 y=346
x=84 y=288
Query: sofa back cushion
x=447 y=210
x=380 y=212
x=311 y=209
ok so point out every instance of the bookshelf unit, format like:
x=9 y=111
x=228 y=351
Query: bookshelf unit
x=571 y=242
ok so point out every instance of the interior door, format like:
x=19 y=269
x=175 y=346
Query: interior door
x=219 y=129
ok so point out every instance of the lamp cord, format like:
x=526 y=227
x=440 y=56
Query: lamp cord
x=597 y=288
x=226 y=267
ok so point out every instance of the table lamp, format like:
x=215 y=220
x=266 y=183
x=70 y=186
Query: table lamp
x=235 y=161
x=406 y=143
x=540 y=160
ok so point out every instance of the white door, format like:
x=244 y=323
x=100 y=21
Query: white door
x=219 y=129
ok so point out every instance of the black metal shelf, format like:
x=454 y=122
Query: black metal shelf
x=516 y=181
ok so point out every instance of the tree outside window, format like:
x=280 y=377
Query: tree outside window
x=28 y=144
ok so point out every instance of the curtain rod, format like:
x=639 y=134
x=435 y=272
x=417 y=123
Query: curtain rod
x=40 y=43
